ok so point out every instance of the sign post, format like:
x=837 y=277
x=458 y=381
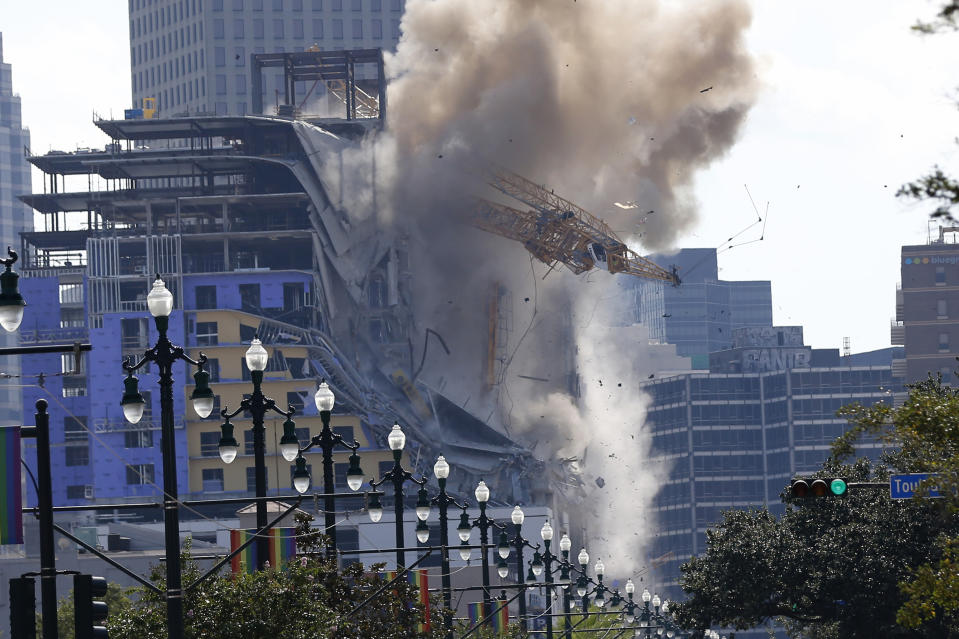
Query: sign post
x=904 y=486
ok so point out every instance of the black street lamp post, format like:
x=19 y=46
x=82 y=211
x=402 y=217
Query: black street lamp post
x=258 y=405
x=327 y=440
x=565 y=544
x=517 y=517
x=484 y=523
x=164 y=354
x=441 y=469
x=399 y=476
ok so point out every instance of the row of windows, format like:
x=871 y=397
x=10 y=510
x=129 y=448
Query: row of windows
x=168 y=15
x=316 y=5
x=297 y=30
x=209 y=441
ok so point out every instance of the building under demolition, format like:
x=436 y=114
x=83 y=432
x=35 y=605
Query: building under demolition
x=259 y=225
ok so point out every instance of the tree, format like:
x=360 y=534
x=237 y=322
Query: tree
x=859 y=566
x=309 y=598
x=937 y=185
x=117 y=600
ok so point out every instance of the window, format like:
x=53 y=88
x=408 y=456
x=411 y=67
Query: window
x=206 y=333
x=138 y=439
x=258 y=29
x=239 y=57
x=221 y=108
x=318 y=28
x=212 y=480
x=258 y=5
x=238 y=5
x=346 y=432
x=384 y=467
x=940 y=275
x=317 y=5
x=77 y=455
x=205 y=297
x=946 y=373
x=219 y=56
x=292 y=296
x=943 y=342
x=238 y=28
x=356 y=5
x=337 y=29
x=298 y=5
x=303 y=435
x=278 y=29
x=76 y=492
x=213 y=365
x=71 y=293
x=337 y=5
x=297 y=28
x=248 y=442
x=251 y=479
x=941 y=309
x=395 y=29
x=357 y=28
x=377 y=27
x=140 y=474
x=250 y=297
x=221 y=84
x=296 y=400
x=240 y=85
x=376 y=5
x=218 y=28
x=210 y=444
x=75 y=429
x=396 y=5
x=74 y=386
x=278 y=5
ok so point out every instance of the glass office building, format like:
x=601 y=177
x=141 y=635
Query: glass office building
x=734 y=439
x=193 y=56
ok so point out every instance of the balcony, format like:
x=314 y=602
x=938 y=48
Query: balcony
x=897 y=334
x=54 y=335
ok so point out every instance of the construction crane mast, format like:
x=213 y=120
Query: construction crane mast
x=558 y=231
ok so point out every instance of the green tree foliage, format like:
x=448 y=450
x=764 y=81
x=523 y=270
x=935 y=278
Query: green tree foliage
x=862 y=565
x=936 y=185
x=310 y=599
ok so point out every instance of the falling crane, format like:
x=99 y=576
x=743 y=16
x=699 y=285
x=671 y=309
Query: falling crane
x=558 y=231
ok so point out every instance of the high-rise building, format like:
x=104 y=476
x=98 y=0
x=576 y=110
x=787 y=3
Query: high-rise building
x=927 y=309
x=194 y=56
x=15 y=216
x=734 y=436
x=248 y=246
x=700 y=315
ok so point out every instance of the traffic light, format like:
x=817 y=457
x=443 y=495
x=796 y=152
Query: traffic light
x=803 y=488
x=23 y=608
x=90 y=613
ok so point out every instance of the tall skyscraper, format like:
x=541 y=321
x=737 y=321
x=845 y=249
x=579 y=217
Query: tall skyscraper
x=14 y=215
x=194 y=55
x=732 y=437
x=927 y=309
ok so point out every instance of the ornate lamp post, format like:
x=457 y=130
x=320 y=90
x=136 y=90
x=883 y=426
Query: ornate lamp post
x=164 y=354
x=399 y=476
x=546 y=561
x=11 y=302
x=258 y=405
x=441 y=469
x=327 y=440
x=565 y=544
x=518 y=517
x=484 y=523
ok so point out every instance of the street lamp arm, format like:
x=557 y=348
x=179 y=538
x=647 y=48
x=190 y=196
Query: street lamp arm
x=317 y=440
x=271 y=405
x=226 y=414
x=178 y=353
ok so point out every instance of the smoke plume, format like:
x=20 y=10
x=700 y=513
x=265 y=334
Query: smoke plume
x=604 y=101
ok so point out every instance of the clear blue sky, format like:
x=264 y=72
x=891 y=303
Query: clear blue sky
x=853 y=105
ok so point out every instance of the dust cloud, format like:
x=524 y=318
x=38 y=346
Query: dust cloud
x=603 y=101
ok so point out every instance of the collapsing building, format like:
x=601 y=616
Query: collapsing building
x=271 y=218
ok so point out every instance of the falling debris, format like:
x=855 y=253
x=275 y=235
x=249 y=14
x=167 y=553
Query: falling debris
x=600 y=482
x=705 y=90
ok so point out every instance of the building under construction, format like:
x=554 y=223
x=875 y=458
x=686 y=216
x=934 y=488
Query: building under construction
x=252 y=223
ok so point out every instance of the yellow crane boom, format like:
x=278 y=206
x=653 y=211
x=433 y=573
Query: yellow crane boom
x=558 y=231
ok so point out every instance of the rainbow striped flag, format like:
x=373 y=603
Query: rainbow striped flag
x=499 y=622
x=420 y=579
x=11 y=500
x=282 y=549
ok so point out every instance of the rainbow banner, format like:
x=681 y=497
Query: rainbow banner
x=499 y=622
x=282 y=549
x=11 y=500
x=419 y=579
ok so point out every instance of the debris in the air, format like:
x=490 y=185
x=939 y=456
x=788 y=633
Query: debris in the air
x=705 y=90
x=600 y=482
